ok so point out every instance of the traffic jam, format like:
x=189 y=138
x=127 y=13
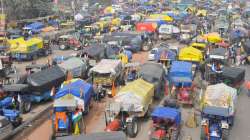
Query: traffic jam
x=128 y=70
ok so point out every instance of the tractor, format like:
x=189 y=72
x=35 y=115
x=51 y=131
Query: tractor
x=130 y=104
x=218 y=111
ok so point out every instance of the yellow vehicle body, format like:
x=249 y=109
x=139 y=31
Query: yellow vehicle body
x=199 y=46
x=109 y=10
x=20 y=45
x=202 y=13
x=102 y=25
x=116 y=22
x=190 y=54
x=212 y=37
x=160 y=17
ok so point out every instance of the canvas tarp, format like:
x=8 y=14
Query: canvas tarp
x=181 y=72
x=74 y=65
x=190 y=54
x=44 y=80
x=81 y=91
x=218 y=53
x=233 y=74
x=138 y=93
x=167 y=113
x=106 y=66
x=151 y=70
x=220 y=96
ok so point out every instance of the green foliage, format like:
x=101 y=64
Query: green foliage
x=23 y=9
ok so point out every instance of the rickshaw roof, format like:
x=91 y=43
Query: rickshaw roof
x=167 y=113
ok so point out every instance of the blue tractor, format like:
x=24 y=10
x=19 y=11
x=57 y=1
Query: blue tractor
x=17 y=98
x=71 y=102
x=11 y=104
x=218 y=110
x=166 y=121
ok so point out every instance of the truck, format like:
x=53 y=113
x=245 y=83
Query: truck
x=17 y=98
x=71 y=103
x=187 y=32
x=76 y=66
x=132 y=102
x=217 y=111
x=233 y=77
x=31 y=49
x=181 y=77
x=168 y=31
x=154 y=73
x=106 y=73
x=11 y=104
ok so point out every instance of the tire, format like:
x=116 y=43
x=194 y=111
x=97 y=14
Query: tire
x=25 y=106
x=132 y=129
x=225 y=134
x=202 y=135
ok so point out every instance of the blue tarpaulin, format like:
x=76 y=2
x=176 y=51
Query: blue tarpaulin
x=129 y=54
x=76 y=88
x=35 y=27
x=181 y=69
x=166 y=54
x=237 y=34
x=181 y=73
x=167 y=113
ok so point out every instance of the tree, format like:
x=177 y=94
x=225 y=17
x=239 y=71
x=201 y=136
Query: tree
x=24 y=9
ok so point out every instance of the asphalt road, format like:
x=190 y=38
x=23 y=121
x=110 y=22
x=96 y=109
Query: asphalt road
x=95 y=121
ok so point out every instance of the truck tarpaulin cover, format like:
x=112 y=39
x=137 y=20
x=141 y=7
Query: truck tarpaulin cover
x=233 y=74
x=146 y=27
x=80 y=89
x=167 y=113
x=218 y=53
x=165 y=54
x=218 y=99
x=181 y=72
x=97 y=136
x=95 y=52
x=107 y=66
x=151 y=70
x=35 y=27
x=138 y=93
x=46 y=79
x=75 y=65
x=190 y=54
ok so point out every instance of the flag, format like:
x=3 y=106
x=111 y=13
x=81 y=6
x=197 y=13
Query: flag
x=113 y=89
x=69 y=76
